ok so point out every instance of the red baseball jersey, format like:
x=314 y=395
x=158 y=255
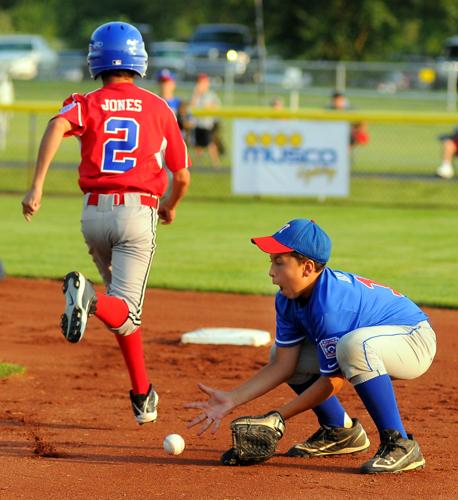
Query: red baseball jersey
x=128 y=135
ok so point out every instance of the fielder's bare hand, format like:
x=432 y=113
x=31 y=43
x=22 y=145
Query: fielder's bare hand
x=218 y=405
x=31 y=203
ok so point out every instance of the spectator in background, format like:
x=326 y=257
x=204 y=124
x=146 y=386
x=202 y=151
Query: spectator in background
x=6 y=97
x=449 y=151
x=186 y=122
x=339 y=101
x=277 y=102
x=359 y=133
x=167 y=85
x=206 y=126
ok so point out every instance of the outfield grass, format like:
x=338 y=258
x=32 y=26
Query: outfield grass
x=208 y=247
x=8 y=369
x=215 y=185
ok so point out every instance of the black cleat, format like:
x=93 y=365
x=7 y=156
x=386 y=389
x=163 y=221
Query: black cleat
x=395 y=454
x=144 y=406
x=332 y=441
x=80 y=301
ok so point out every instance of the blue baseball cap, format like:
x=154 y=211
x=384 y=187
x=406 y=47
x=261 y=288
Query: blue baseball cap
x=165 y=75
x=299 y=235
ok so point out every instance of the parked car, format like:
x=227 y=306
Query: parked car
x=213 y=47
x=27 y=56
x=168 y=54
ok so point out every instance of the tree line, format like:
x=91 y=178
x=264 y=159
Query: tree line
x=361 y=30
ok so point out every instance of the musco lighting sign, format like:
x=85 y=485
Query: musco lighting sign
x=291 y=157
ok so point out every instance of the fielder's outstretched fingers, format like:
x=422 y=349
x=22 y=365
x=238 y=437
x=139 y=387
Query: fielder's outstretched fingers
x=197 y=420
x=204 y=388
x=207 y=423
x=216 y=426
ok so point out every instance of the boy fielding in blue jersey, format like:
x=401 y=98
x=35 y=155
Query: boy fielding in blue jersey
x=332 y=326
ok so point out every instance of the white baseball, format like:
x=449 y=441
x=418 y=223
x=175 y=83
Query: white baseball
x=173 y=444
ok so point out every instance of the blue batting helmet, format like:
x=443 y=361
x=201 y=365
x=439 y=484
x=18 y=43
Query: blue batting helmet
x=117 y=45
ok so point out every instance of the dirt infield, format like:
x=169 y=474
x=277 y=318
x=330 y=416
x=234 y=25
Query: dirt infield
x=67 y=430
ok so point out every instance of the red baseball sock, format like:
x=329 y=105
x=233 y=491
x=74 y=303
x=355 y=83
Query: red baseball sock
x=113 y=311
x=132 y=350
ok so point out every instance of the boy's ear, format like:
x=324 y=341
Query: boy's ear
x=309 y=267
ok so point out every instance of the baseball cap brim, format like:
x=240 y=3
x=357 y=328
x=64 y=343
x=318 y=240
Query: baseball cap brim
x=270 y=245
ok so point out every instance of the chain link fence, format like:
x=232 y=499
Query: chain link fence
x=295 y=79
x=397 y=165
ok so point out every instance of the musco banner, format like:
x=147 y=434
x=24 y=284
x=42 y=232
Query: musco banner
x=291 y=157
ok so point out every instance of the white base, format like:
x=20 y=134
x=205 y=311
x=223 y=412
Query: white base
x=232 y=336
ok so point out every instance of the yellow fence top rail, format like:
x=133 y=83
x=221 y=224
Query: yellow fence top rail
x=268 y=113
x=32 y=107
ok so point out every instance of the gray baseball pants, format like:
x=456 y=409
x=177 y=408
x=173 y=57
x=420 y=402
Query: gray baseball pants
x=403 y=352
x=122 y=240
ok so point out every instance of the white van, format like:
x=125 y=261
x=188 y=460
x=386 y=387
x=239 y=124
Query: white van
x=27 y=56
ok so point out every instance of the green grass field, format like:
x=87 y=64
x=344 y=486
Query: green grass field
x=208 y=247
x=401 y=233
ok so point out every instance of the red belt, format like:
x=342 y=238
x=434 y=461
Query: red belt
x=118 y=199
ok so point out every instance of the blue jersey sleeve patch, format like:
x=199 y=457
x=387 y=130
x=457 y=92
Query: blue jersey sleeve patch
x=328 y=347
x=67 y=108
x=327 y=354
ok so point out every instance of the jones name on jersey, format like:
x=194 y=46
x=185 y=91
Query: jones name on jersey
x=122 y=105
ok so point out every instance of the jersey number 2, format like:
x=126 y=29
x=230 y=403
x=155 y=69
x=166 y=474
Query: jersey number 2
x=115 y=145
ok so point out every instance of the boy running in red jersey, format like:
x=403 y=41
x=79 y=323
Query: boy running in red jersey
x=127 y=135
